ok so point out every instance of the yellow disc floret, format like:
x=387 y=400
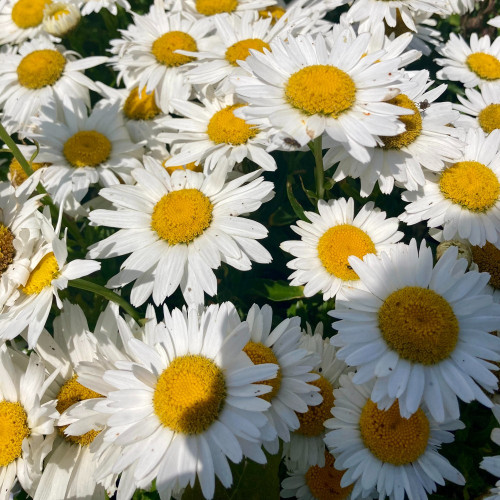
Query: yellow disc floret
x=17 y=174
x=260 y=354
x=489 y=118
x=392 y=438
x=190 y=394
x=274 y=11
x=487 y=259
x=29 y=13
x=40 y=68
x=470 y=184
x=163 y=48
x=58 y=13
x=419 y=325
x=42 y=276
x=338 y=244
x=321 y=89
x=239 y=51
x=87 y=148
x=181 y=216
x=70 y=393
x=141 y=107
x=226 y=128
x=188 y=166
x=7 y=250
x=212 y=7
x=13 y=430
x=484 y=65
x=311 y=422
x=324 y=482
x=413 y=124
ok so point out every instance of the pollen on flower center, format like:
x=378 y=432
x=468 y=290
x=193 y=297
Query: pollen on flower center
x=487 y=259
x=419 y=325
x=489 y=118
x=164 y=48
x=190 y=394
x=13 y=430
x=188 y=166
x=470 y=184
x=40 y=68
x=29 y=13
x=274 y=11
x=180 y=216
x=226 y=128
x=7 y=250
x=311 y=422
x=17 y=173
x=392 y=438
x=239 y=51
x=260 y=354
x=141 y=107
x=484 y=65
x=321 y=89
x=70 y=393
x=413 y=124
x=42 y=276
x=338 y=244
x=324 y=482
x=212 y=7
x=87 y=148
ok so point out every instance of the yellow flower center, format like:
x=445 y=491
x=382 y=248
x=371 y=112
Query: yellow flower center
x=311 y=422
x=324 y=482
x=239 y=51
x=226 y=128
x=413 y=124
x=419 y=325
x=181 y=216
x=188 y=166
x=40 y=68
x=338 y=244
x=484 y=65
x=18 y=175
x=7 y=250
x=489 y=118
x=13 y=430
x=487 y=259
x=190 y=394
x=321 y=89
x=141 y=107
x=471 y=185
x=392 y=438
x=70 y=393
x=87 y=148
x=260 y=354
x=212 y=7
x=29 y=13
x=274 y=11
x=42 y=276
x=163 y=48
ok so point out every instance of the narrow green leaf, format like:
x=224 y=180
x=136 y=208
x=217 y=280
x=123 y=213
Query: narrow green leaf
x=277 y=291
x=296 y=206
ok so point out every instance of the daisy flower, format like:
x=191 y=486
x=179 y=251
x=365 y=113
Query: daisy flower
x=474 y=64
x=483 y=107
x=89 y=6
x=191 y=394
x=180 y=227
x=464 y=198
x=461 y=6
x=330 y=238
x=147 y=53
x=214 y=135
x=37 y=73
x=27 y=426
x=427 y=143
x=385 y=452
x=420 y=331
x=208 y=8
x=492 y=464
x=59 y=18
x=83 y=149
x=306 y=446
x=307 y=86
x=290 y=391
x=487 y=260
x=27 y=308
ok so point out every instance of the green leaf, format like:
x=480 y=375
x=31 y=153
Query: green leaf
x=277 y=291
x=296 y=206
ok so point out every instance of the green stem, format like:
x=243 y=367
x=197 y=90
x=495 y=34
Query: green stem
x=319 y=172
x=108 y=294
x=15 y=151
